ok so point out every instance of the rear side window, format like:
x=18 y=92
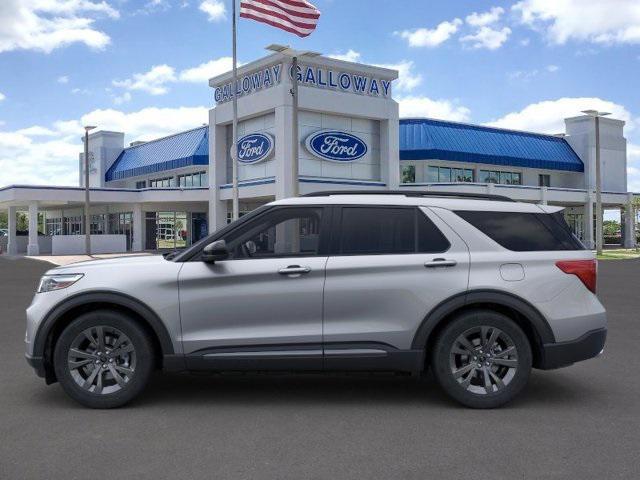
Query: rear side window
x=524 y=232
x=388 y=230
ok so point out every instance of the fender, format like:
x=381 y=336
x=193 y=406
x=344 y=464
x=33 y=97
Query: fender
x=114 y=298
x=433 y=318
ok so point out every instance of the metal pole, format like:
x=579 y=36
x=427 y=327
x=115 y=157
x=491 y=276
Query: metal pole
x=87 y=217
x=598 y=191
x=294 y=131
x=234 y=141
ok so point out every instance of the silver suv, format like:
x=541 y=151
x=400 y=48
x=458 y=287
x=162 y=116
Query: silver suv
x=479 y=288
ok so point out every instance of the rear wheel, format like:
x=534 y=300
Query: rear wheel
x=482 y=359
x=103 y=359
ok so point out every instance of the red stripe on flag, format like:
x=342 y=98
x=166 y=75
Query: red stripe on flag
x=274 y=24
x=283 y=9
x=272 y=13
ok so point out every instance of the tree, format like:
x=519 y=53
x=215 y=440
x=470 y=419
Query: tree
x=3 y=220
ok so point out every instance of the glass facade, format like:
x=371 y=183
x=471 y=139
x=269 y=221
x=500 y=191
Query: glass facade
x=162 y=182
x=504 y=178
x=190 y=180
x=448 y=174
x=174 y=230
x=408 y=174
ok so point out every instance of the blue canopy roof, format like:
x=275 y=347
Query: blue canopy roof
x=183 y=149
x=427 y=139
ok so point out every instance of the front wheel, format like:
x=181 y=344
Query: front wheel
x=482 y=359
x=103 y=359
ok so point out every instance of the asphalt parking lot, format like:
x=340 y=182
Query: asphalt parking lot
x=580 y=422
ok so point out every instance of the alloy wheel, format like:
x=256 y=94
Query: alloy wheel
x=102 y=360
x=483 y=360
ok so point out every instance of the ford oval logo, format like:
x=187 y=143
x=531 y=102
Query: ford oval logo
x=255 y=147
x=336 y=146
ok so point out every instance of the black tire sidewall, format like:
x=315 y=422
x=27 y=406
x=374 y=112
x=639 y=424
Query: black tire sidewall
x=442 y=349
x=144 y=358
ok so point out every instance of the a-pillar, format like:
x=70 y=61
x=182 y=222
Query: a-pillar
x=588 y=223
x=12 y=244
x=629 y=223
x=32 y=247
x=138 y=233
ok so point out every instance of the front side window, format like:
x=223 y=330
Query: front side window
x=388 y=230
x=286 y=232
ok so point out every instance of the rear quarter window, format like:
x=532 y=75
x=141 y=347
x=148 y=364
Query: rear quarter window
x=524 y=232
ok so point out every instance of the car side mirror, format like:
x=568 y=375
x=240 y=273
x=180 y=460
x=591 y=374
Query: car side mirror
x=215 y=251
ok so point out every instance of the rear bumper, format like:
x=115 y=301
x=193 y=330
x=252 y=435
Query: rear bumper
x=562 y=354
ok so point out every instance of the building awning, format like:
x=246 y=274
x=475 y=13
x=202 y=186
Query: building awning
x=183 y=149
x=427 y=139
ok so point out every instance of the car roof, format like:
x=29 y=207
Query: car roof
x=400 y=199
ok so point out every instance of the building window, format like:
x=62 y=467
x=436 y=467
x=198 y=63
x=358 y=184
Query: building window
x=98 y=223
x=544 y=180
x=408 y=174
x=191 y=180
x=53 y=226
x=162 y=182
x=504 y=178
x=447 y=174
x=141 y=184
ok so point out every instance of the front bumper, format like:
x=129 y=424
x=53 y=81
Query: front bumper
x=562 y=354
x=37 y=363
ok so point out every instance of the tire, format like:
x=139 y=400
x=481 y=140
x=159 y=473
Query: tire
x=477 y=376
x=118 y=374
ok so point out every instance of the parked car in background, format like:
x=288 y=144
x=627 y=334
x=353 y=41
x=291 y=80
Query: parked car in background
x=480 y=289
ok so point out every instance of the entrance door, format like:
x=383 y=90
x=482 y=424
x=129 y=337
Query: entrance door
x=263 y=305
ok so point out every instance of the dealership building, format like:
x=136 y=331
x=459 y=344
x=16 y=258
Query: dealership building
x=170 y=192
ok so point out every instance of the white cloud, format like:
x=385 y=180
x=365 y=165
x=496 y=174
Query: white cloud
x=407 y=78
x=63 y=79
x=203 y=72
x=2 y=96
x=424 y=37
x=487 y=37
x=45 y=25
x=214 y=9
x=525 y=42
x=595 y=21
x=526 y=75
x=48 y=155
x=548 y=116
x=349 y=56
x=486 y=18
x=552 y=68
x=419 y=106
x=154 y=81
x=120 y=99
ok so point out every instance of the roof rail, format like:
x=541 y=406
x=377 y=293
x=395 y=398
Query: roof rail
x=412 y=193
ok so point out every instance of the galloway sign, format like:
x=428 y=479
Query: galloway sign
x=254 y=148
x=248 y=84
x=331 y=79
x=336 y=146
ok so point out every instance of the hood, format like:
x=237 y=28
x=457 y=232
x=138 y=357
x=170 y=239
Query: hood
x=109 y=263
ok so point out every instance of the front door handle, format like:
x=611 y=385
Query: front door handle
x=440 y=262
x=294 y=270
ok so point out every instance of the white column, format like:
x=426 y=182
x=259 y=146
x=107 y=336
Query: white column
x=33 y=248
x=588 y=222
x=283 y=155
x=390 y=151
x=543 y=195
x=629 y=223
x=138 y=233
x=12 y=245
x=217 y=173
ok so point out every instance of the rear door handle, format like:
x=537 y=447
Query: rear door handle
x=294 y=270
x=440 y=262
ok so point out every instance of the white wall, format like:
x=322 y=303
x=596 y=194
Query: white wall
x=74 y=244
x=105 y=147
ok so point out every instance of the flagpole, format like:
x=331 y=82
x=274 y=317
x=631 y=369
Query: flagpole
x=234 y=147
x=294 y=130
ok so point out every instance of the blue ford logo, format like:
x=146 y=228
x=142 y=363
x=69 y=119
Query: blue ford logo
x=336 y=146
x=255 y=147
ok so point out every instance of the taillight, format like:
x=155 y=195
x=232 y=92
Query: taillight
x=585 y=270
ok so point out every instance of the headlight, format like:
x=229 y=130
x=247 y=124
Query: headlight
x=49 y=283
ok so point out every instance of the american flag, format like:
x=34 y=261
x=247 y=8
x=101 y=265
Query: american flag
x=294 y=16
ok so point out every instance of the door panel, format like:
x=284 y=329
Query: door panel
x=384 y=298
x=247 y=302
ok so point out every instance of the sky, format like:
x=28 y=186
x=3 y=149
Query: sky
x=141 y=66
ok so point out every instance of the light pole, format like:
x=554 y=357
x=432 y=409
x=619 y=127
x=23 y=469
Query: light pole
x=87 y=217
x=295 y=146
x=596 y=115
